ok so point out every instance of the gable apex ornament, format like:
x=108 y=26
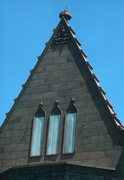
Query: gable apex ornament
x=62 y=36
x=66 y=14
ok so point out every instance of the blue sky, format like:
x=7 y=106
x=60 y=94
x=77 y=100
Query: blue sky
x=26 y=25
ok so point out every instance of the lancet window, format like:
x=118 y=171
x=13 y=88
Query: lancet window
x=37 y=132
x=69 y=129
x=53 y=130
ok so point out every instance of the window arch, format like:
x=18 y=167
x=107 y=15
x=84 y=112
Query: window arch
x=53 y=130
x=69 y=129
x=37 y=132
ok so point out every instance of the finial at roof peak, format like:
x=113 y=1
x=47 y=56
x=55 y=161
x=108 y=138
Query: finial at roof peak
x=66 y=14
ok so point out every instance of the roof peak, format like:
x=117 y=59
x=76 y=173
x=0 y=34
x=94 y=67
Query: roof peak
x=66 y=14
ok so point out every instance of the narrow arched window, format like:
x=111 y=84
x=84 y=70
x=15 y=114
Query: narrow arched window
x=69 y=130
x=53 y=131
x=37 y=132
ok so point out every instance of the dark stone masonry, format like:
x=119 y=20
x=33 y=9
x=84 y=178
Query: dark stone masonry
x=62 y=89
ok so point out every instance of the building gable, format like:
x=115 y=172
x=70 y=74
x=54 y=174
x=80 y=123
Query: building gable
x=62 y=78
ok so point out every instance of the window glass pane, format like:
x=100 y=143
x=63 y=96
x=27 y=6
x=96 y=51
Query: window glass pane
x=53 y=135
x=37 y=136
x=69 y=134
